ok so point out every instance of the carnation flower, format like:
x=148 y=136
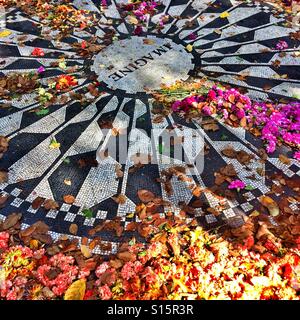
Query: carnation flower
x=297 y=155
x=237 y=184
x=4 y=238
x=282 y=45
x=105 y=292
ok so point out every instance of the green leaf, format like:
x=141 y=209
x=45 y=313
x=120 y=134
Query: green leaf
x=42 y=112
x=88 y=213
x=142 y=254
x=224 y=137
x=131 y=242
x=160 y=148
x=248 y=187
x=66 y=161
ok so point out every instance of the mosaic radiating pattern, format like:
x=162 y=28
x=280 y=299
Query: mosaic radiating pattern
x=224 y=49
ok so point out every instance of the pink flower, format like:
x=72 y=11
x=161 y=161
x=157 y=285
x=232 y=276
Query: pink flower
x=105 y=293
x=41 y=69
x=297 y=155
x=127 y=271
x=4 y=237
x=212 y=95
x=281 y=45
x=101 y=269
x=206 y=111
x=176 y=106
x=237 y=184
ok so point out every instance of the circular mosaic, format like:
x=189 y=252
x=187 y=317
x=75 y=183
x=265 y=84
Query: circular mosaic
x=137 y=64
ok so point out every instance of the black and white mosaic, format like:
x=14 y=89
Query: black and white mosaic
x=224 y=49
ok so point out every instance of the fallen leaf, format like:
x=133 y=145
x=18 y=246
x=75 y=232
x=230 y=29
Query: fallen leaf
x=68 y=182
x=189 y=48
x=73 y=228
x=11 y=220
x=69 y=199
x=146 y=196
x=54 y=144
x=37 y=202
x=50 y=204
x=3 y=176
x=270 y=204
x=148 y=41
x=86 y=251
x=224 y=15
x=76 y=291
x=120 y=199
x=5 y=33
x=284 y=159
x=126 y=256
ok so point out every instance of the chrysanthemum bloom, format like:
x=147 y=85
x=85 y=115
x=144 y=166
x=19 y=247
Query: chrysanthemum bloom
x=65 y=82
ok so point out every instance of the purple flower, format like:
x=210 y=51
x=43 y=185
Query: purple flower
x=297 y=155
x=281 y=45
x=176 y=106
x=206 y=111
x=138 y=31
x=212 y=95
x=237 y=184
x=192 y=36
x=240 y=113
x=41 y=69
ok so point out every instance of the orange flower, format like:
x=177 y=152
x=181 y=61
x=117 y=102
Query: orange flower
x=65 y=82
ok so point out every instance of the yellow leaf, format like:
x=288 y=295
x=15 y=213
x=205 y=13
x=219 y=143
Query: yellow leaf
x=224 y=15
x=86 y=251
x=189 y=48
x=130 y=215
x=133 y=20
x=270 y=204
x=76 y=291
x=148 y=41
x=68 y=182
x=54 y=144
x=5 y=33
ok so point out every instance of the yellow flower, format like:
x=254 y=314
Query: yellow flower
x=224 y=15
x=189 y=48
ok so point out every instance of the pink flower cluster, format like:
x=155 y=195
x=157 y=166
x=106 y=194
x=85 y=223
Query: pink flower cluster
x=142 y=11
x=282 y=45
x=4 y=237
x=62 y=281
x=277 y=123
x=236 y=184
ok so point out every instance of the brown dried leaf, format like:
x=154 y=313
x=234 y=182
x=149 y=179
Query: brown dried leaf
x=37 y=202
x=69 y=199
x=146 y=195
x=50 y=204
x=73 y=228
x=11 y=220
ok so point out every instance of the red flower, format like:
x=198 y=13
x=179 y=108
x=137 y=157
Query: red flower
x=287 y=271
x=4 y=237
x=249 y=243
x=38 y=52
x=65 y=82
x=83 y=44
